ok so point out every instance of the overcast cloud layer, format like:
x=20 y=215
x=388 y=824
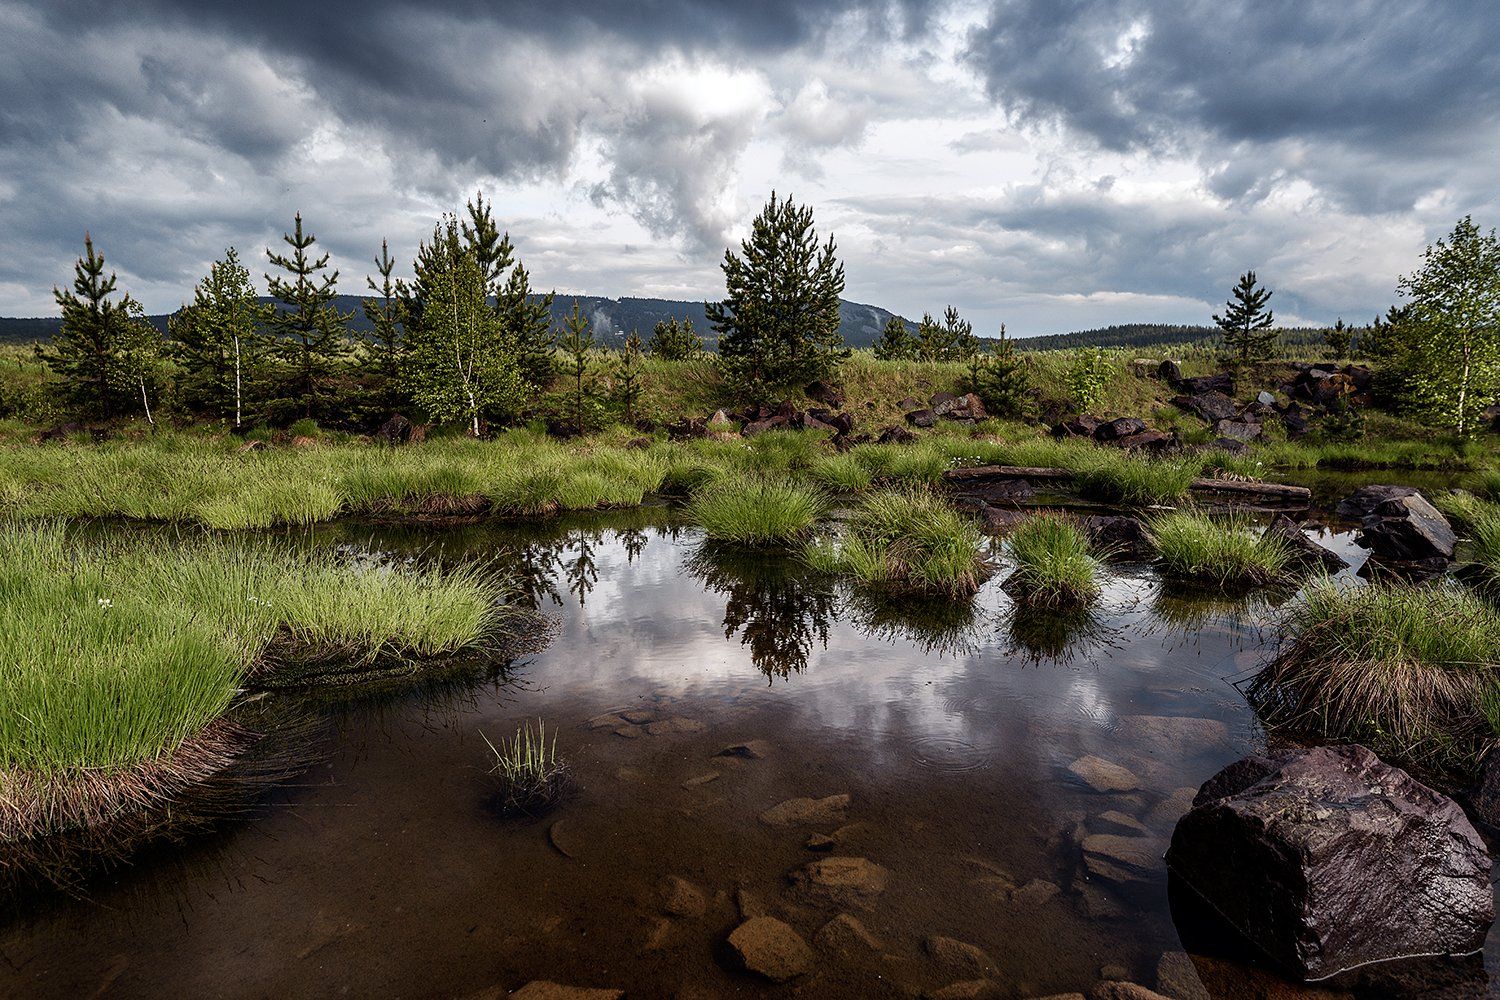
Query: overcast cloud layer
x=1053 y=164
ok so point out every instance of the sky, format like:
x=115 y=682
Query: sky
x=1048 y=164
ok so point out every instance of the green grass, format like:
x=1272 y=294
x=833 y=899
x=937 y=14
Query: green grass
x=905 y=540
x=1055 y=564
x=749 y=510
x=1224 y=551
x=115 y=657
x=1411 y=671
x=528 y=771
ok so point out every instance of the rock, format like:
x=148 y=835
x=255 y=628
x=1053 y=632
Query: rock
x=1484 y=797
x=845 y=934
x=1145 y=441
x=701 y=779
x=1363 y=501
x=562 y=838
x=1296 y=425
x=1170 y=371
x=1114 y=971
x=1238 y=430
x=1172 y=735
x=761 y=426
x=895 y=435
x=686 y=428
x=959 y=956
x=921 y=418
x=681 y=898
x=1122 y=861
x=750 y=905
x=609 y=720
x=1408 y=529
x=943 y=402
x=908 y=404
x=1223 y=383
x=396 y=430
x=674 y=725
x=1065 y=996
x=630 y=732
x=1097 y=903
x=971 y=406
x=1177 y=977
x=1165 y=814
x=1084 y=426
x=1000 y=521
x=1211 y=405
x=1328 y=858
x=807 y=812
x=541 y=989
x=639 y=716
x=771 y=948
x=1103 y=776
x=1120 y=535
x=821 y=392
x=1123 y=991
x=1305 y=551
x=1120 y=427
x=748 y=750
x=1230 y=445
x=973 y=989
x=820 y=842
x=1265 y=398
x=840 y=882
x=1144 y=368
x=1037 y=892
x=1114 y=821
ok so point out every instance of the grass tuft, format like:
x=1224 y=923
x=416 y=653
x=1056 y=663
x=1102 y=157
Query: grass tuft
x=1225 y=551
x=905 y=540
x=749 y=510
x=527 y=769
x=1055 y=565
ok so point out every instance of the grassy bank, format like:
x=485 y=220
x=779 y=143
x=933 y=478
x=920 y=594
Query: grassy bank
x=118 y=660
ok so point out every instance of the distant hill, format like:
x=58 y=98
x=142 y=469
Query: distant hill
x=612 y=319
x=1148 y=335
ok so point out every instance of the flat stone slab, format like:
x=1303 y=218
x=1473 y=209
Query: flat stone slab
x=840 y=882
x=808 y=812
x=1104 y=776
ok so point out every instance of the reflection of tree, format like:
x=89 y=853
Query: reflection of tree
x=634 y=541
x=533 y=567
x=779 y=607
x=938 y=625
x=1046 y=635
x=1190 y=609
x=580 y=570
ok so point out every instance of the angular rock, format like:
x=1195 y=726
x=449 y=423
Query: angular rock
x=908 y=404
x=1147 y=440
x=973 y=989
x=1304 y=550
x=895 y=435
x=1123 y=991
x=1000 y=521
x=845 y=934
x=1211 y=405
x=1363 y=501
x=541 y=989
x=755 y=427
x=1119 y=535
x=1328 y=858
x=1119 y=427
x=1177 y=977
x=1083 y=426
x=1104 y=776
x=1223 y=383
x=1238 y=430
x=840 y=882
x=1408 y=529
x=1170 y=371
x=943 y=403
x=1229 y=445
x=771 y=948
x=1116 y=822
x=1035 y=893
x=808 y=812
x=1264 y=398
x=922 y=418
x=396 y=430
x=681 y=898
x=959 y=956
x=748 y=750
x=1122 y=861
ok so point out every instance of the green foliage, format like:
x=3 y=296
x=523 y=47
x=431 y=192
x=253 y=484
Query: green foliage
x=105 y=352
x=906 y=541
x=527 y=324
x=310 y=333
x=1087 y=376
x=896 y=342
x=584 y=411
x=1223 y=551
x=628 y=377
x=751 y=510
x=675 y=341
x=1338 y=338
x=218 y=346
x=1452 y=333
x=461 y=362
x=1249 y=337
x=951 y=340
x=1055 y=564
x=530 y=774
x=1000 y=378
x=384 y=355
x=778 y=323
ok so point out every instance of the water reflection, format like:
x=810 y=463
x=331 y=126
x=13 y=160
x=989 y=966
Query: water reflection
x=1057 y=637
x=941 y=626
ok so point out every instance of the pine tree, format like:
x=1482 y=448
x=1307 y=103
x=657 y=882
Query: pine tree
x=1454 y=324
x=951 y=340
x=98 y=349
x=385 y=344
x=1338 y=339
x=217 y=341
x=1248 y=334
x=895 y=343
x=675 y=341
x=310 y=331
x=460 y=361
x=577 y=343
x=778 y=323
x=628 y=383
x=1000 y=378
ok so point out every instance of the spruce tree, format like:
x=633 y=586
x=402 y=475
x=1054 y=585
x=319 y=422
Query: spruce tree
x=895 y=343
x=217 y=342
x=672 y=340
x=385 y=344
x=628 y=381
x=1338 y=338
x=577 y=343
x=310 y=331
x=1248 y=335
x=778 y=323
x=1000 y=378
x=97 y=348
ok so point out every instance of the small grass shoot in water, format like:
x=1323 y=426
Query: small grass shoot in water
x=530 y=774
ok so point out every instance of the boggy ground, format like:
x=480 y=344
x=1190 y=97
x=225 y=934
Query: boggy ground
x=1015 y=796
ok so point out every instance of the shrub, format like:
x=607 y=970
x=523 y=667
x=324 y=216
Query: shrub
x=1055 y=567
x=1217 y=550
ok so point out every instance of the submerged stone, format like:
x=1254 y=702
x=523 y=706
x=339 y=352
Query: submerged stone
x=847 y=935
x=1328 y=859
x=1122 y=860
x=771 y=948
x=840 y=881
x=959 y=956
x=1104 y=776
x=807 y=812
x=541 y=989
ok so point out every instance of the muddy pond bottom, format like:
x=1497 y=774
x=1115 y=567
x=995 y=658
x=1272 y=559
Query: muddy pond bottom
x=990 y=795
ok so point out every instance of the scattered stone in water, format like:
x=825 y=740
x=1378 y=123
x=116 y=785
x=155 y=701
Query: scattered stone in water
x=840 y=882
x=682 y=898
x=1062 y=996
x=1035 y=893
x=663 y=935
x=1328 y=826
x=639 y=716
x=674 y=725
x=630 y=732
x=1114 y=972
x=1176 y=735
x=820 y=842
x=609 y=720
x=1123 y=991
x=846 y=934
x=1098 y=903
x=750 y=904
x=702 y=779
x=771 y=948
x=959 y=956
x=749 y=750
x=1104 y=776
x=1165 y=814
x=1114 y=821
x=562 y=838
x=972 y=989
x=540 y=989
x=1122 y=860
x=808 y=812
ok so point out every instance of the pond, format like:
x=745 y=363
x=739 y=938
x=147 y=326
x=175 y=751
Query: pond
x=695 y=690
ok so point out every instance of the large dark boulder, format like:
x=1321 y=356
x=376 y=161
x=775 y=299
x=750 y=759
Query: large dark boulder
x=1328 y=859
x=1080 y=426
x=1207 y=383
x=894 y=434
x=1238 y=430
x=1147 y=440
x=1119 y=536
x=1363 y=501
x=1212 y=405
x=1170 y=371
x=1408 y=529
x=921 y=418
x=396 y=430
x=1121 y=427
